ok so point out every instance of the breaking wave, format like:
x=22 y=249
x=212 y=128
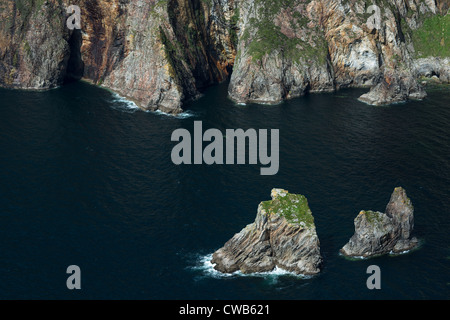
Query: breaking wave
x=122 y=104
x=207 y=268
x=184 y=115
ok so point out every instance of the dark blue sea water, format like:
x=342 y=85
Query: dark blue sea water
x=87 y=180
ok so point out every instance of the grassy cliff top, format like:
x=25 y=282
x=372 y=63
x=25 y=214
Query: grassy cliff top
x=373 y=217
x=433 y=37
x=293 y=207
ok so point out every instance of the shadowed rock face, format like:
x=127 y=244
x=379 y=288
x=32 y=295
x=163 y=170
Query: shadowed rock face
x=283 y=235
x=163 y=53
x=379 y=233
x=34 y=48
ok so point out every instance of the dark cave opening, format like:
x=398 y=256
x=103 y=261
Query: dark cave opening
x=75 y=65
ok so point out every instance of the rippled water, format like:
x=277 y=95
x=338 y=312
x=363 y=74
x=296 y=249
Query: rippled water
x=86 y=178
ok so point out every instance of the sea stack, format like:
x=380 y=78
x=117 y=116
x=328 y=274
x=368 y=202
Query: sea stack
x=378 y=233
x=283 y=235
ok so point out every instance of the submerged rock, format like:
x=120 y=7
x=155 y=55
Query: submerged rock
x=379 y=233
x=283 y=235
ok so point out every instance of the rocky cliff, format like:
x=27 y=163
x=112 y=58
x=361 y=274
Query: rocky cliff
x=163 y=53
x=156 y=53
x=288 y=48
x=283 y=235
x=379 y=233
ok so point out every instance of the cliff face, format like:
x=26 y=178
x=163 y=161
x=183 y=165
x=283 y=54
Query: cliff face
x=157 y=53
x=282 y=52
x=162 y=53
x=283 y=235
x=34 y=48
x=287 y=48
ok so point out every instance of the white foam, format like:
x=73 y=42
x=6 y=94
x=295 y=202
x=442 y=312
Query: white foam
x=207 y=268
x=392 y=253
x=205 y=265
x=122 y=104
x=359 y=257
x=353 y=257
x=182 y=115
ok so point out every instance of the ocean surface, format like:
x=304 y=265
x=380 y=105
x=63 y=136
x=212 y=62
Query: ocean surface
x=87 y=179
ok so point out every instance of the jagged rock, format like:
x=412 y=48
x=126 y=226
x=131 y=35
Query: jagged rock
x=379 y=57
x=394 y=87
x=283 y=235
x=378 y=233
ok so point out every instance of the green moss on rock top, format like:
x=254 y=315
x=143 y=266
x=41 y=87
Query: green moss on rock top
x=373 y=217
x=293 y=207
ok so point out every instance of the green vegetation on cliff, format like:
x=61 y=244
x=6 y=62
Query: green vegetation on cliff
x=267 y=36
x=233 y=25
x=373 y=216
x=433 y=37
x=293 y=207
